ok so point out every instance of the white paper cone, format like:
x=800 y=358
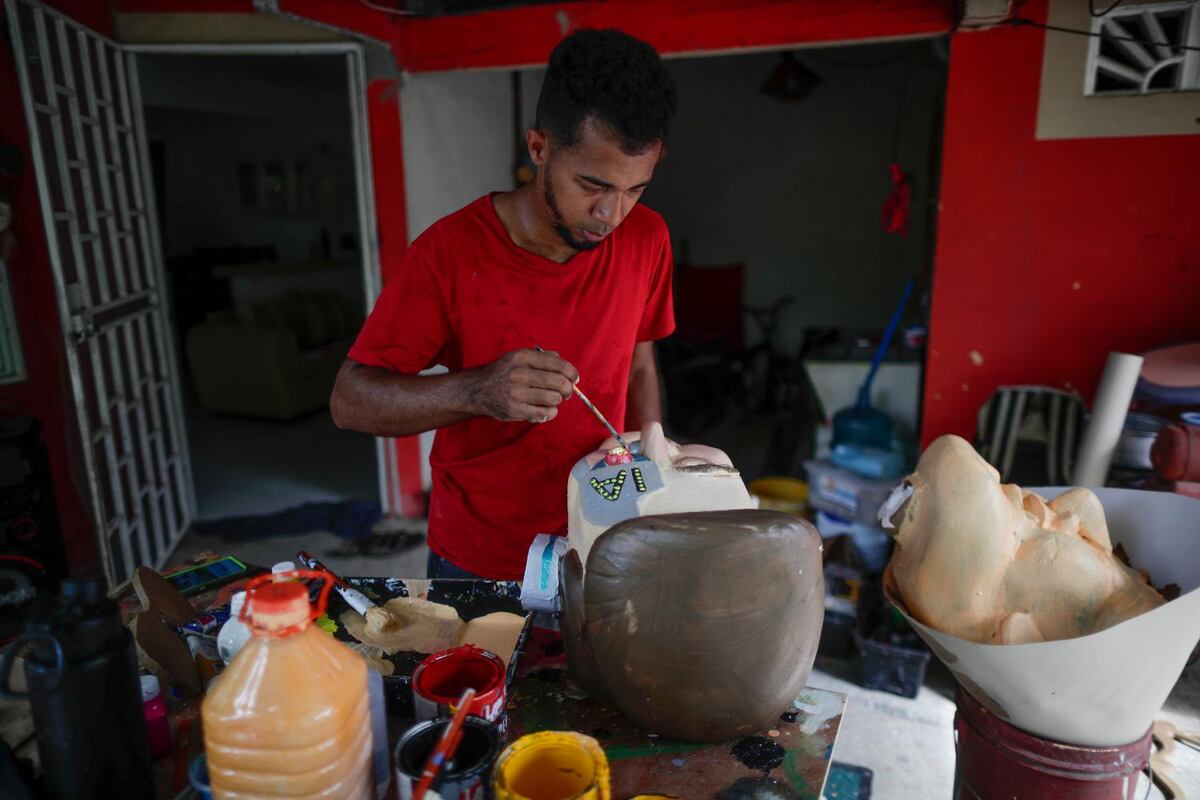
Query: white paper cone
x=1108 y=417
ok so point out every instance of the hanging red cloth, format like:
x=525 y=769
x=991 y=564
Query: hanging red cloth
x=894 y=215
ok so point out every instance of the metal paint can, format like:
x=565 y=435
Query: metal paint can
x=552 y=765
x=466 y=774
x=440 y=680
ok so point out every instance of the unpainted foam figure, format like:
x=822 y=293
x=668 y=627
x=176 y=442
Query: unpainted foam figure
x=689 y=477
x=995 y=564
x=698 y=615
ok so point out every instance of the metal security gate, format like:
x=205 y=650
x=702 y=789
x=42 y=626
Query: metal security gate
x=81 y=101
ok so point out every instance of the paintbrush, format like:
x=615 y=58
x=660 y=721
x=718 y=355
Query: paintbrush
x=445 y=746
x=583 y=398
x=378 y=618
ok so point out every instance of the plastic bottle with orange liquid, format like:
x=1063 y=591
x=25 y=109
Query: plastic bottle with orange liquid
x=289 y=717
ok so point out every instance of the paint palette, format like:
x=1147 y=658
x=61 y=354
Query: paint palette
x=470 y=598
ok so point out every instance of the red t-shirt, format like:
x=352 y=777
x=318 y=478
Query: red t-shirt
x=465 y=295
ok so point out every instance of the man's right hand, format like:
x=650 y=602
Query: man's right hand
x=523 y=386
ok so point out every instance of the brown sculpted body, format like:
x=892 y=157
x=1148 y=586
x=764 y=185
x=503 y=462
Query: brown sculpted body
x=698 y=626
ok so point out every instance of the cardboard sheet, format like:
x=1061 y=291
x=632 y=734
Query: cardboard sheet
x=1105 y=689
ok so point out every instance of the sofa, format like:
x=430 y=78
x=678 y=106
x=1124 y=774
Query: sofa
x=273 y=360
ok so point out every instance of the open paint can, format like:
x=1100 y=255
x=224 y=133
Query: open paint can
x=465 y=776
x=552 y=765
x=440 y=680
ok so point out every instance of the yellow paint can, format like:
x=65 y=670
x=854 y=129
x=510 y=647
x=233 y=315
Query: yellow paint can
x=781 y=494
x=552 y=765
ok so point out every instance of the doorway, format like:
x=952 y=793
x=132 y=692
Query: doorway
x=126 y=322
x=269 y=260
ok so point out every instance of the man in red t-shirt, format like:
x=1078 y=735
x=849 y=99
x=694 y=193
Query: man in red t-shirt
x=569 y=262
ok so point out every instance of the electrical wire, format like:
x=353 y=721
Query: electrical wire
x=1029 y=23
x=399 y=12
x=1105 y=12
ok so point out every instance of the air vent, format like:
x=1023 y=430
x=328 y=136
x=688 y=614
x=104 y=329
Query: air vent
x=1142 y=49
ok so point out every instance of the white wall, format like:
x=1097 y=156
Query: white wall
x=203 y=204
x=212 y=113
x=458 y=141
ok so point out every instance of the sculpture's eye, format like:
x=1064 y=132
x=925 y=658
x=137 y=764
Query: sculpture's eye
x=696 y=466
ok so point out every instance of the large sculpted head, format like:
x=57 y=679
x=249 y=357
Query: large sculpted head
x=992 y=563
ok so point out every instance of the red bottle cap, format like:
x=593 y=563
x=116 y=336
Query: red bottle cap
x=281 y=608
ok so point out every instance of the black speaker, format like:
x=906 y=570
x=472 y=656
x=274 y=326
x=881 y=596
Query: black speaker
x=32 y=554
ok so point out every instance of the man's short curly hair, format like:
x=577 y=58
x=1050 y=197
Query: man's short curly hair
x=613 y=77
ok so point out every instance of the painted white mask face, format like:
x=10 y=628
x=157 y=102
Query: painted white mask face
x=992 y=563
x=611 y=485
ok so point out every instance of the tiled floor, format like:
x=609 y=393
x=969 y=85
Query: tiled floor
x=246 y=466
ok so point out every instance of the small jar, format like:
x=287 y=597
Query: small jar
x=234 y=633
x=154 y=708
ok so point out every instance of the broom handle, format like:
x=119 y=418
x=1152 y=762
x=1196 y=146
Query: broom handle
x=864 y=392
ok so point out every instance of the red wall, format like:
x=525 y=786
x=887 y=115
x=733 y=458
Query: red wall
x=46 y=394
x=525 y=35
x=1050 y=253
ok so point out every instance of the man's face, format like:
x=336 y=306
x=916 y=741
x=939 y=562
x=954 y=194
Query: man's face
x=591 y=186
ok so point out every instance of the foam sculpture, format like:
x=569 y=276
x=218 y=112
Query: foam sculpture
x=993 y=563
x=1102 y=685
x=699 y=622
x=610 y=485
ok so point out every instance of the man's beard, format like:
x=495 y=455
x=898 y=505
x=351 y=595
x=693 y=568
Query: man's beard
x=556 y=219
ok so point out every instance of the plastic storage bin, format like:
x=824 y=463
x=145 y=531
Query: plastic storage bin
x=830 y=525
x=837 y=635
x=892 y=668
x=841 y=492
x=874 y=546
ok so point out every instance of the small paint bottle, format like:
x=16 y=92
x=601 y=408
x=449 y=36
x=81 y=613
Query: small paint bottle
x=154 y=708
x=234 y=634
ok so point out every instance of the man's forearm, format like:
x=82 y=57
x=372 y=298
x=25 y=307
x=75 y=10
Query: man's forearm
x=383 y=403
x=643 y=402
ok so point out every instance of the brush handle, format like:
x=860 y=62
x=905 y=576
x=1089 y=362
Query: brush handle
x=603 y=420
x=583 y=398
x=353 y=597
x=445 y=746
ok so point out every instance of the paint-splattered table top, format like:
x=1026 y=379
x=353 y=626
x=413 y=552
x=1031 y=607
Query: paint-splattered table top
x=788 y=762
